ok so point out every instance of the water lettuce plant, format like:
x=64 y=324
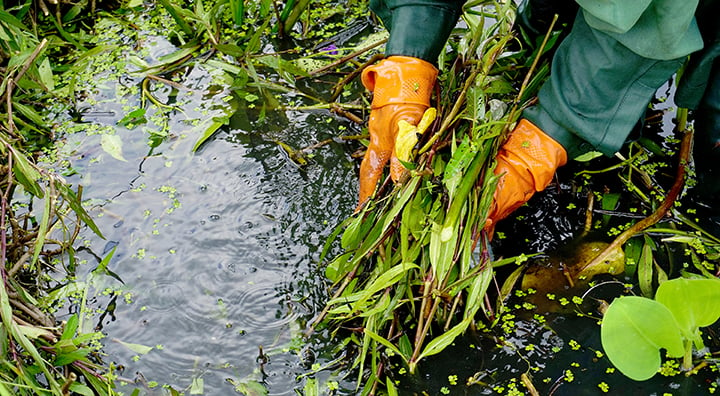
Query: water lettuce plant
x=634 y=329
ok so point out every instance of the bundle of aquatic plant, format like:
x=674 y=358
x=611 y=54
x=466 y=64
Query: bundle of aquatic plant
x=414 y=267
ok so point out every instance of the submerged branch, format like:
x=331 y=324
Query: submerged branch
x=664 y=207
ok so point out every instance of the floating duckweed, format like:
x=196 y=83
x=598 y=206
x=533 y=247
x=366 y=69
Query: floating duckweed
x=140 y=254
x=452 y=379
x=569 y=376
x=574 y=345
x=604 y=387
x=577 y=300
x=669 y=368
x=445 y=390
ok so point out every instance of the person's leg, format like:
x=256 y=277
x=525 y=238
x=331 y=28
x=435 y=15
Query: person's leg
x=597 y=91
x=535 y=16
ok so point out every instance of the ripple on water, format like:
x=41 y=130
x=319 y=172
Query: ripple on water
x=260 y=307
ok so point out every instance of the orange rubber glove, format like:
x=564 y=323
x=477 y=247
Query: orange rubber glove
x=401 y=89
x=527 y=162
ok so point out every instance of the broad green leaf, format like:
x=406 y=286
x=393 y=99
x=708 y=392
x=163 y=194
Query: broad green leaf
x=390 y=385
x=197 y=387
x=5 y=391
x=209 y=131
x=645 y=267
x=46 y=75
x=70 y=327
x=386 y=343
x=250 y=388
x=112 y=144
x=439 y=343
x=137 y=348
x=42 y=230
x=72 y=199
x=29 y=113
x=63 y=359
x=26 y=174
x=34 y=332
x=633 y=331
x=387 y=279
x=694 y=303
x=477 y=291
x=311 y=387
x=588 y=156
x=461 y=158
x=81 y=389
x=351 y=238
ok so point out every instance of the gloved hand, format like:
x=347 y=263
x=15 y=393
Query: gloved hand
x=401 y=89
x=527 y=162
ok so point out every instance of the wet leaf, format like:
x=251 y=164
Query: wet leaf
x=112 y=144
x=645 y=266
x=694 y=303
x=63 y=359
x=42 y=230
x=72 y=199
x=198 y=387
x=339 y=267
x=439 y=343
x=386 y=343
x=26 y=174
x=137 y=348
x=208 y=132
x=70 y=327
x=81 y=389
x=633 y=331
x=461 y=158
x=351 y=237
x=387 y=279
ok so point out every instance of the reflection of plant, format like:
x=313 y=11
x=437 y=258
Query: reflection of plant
x=634 y=329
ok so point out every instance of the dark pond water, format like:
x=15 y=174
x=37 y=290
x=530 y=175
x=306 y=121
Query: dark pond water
x=218 y=251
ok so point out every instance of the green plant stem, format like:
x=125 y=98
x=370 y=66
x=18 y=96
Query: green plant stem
x=687 y=363
x=297 y=10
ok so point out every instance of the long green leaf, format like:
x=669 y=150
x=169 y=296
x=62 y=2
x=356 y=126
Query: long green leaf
x=438 y=344
x=42 y=229
x=386 y=344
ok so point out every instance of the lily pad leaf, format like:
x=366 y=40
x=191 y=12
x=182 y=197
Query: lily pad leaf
x=693 y=302
x=632 y=341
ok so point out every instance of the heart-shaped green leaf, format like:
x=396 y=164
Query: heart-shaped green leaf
x=693 y=302
x=633 y=331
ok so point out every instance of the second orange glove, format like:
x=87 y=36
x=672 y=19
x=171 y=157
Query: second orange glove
x=526 y=162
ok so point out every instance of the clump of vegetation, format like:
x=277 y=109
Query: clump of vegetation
x=416 y=267
x=415 y=271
